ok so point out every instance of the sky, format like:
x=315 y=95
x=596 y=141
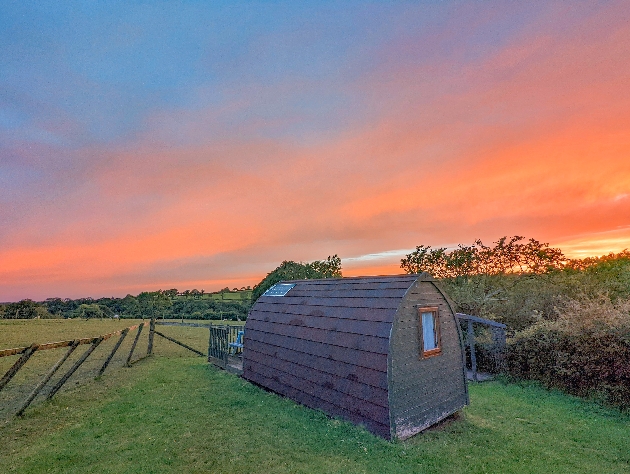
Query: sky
x=157 y=145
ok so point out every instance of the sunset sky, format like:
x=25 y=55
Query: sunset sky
x=149 y=146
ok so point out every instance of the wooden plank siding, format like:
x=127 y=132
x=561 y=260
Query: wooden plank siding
x=424 y=390
x=367 y=375
x=331 y=345
x=376 y=361
x=333 y=336
x=324 y=302
x=350 y=386
x=337 y=312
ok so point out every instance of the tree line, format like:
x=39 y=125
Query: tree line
x=189 y=304
x=173 y=304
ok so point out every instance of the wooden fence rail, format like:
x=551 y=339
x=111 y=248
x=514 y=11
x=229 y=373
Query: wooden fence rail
x=27 y=352
x=123 y=334
x=56 y=345
x=217 y=350
x=179 y=343
x=45 y=380
x=498 y=338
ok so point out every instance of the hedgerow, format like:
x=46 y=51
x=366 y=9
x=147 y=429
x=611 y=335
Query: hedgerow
x=585 y=351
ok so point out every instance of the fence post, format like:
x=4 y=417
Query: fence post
x=471 y=343
x=209 y=342
x=151 y=334
x=133 y=346
x=111 y=354
x=498 y=346
x=226 y=346
x=73 y=369
x=26 y=355
x=49 y=375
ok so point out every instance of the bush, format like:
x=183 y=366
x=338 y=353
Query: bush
x=212 y=315
x=515 y=300
x=585 y=351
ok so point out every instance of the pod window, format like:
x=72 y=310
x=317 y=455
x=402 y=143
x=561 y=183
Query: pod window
x=279 y=289
x=430 y=343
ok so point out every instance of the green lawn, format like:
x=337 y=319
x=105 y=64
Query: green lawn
x=20 y=333
x=23 y=332
x=177 y=414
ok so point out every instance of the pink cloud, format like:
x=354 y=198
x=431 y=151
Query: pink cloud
x=531 y=139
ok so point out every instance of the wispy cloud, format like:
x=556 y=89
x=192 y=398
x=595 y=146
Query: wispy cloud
x=307 y=137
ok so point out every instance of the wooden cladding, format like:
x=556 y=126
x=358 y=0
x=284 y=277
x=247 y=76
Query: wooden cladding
x=350 y=347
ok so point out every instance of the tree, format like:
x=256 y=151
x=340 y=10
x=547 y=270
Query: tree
x=56 y=306
x=172 y=293
x=89 y=311
x=506 y=257
x=153 y=303
x=131 y=307
x=290 y=270
x=24 y=309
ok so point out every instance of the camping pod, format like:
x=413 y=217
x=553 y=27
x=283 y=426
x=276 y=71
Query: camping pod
x=383 y=352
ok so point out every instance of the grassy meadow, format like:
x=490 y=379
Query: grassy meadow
x=20 y=333
x=23 y=332
x=178 y=414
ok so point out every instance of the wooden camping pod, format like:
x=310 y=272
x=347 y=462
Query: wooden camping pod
x=384 y=352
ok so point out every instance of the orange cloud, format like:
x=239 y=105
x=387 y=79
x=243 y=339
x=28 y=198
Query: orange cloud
x=531 y=138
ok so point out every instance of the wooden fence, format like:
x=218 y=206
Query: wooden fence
x=498 y=341
x=26 y=353
x=219 y=338
x=219 y=352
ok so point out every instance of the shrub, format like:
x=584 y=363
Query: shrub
x=516 y=300
x=585 y=351
x=210 y=314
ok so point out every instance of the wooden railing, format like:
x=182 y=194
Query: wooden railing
x=218 y=341
x=27 y=352
x=498 y=339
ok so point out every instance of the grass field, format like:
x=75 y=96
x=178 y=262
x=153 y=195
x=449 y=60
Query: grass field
x=244 y=295
x=175 y=413
x=20 y=333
